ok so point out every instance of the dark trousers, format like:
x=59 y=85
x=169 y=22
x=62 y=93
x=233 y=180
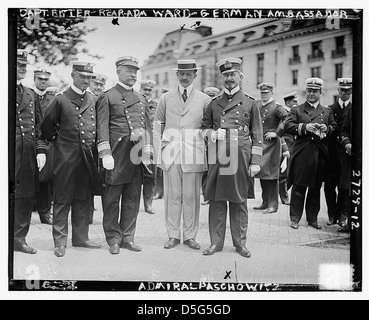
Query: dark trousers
x=283 y=193
x=338 y=203
x=159 y=182
x=148 y=190
x=218 y=220
x=312 y=206
x=44 y=198
x=269 y=193
x=128 y=197
x=22 y=217
x=203 y=182
x=80 y=216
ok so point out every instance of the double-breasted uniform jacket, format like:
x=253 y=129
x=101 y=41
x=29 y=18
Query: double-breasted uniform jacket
x=229 y=180
x=28 y=143
x=309 y=161
x=272 y=115
x=70 y=119
x=151 y=109
x=122 y=124
x=179 y=124
x=340 y=161
x=46 y=173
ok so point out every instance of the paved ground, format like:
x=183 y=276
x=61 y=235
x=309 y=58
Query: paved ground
x=279 y=253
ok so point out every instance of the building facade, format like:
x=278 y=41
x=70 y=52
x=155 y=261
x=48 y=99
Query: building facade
x=282 y=51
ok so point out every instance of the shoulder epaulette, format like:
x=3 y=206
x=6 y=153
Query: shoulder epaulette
x=248 y=96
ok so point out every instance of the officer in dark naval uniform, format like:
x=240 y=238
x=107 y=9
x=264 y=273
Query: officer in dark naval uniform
x=30 y=157
x=339 y=176
x=123 y=127
x=311 y=123
x=70 y=119
x=42 y=99
x=97 y=84
x=149 y=182
x=231 y=125
x=272 y=115
x=288 y=140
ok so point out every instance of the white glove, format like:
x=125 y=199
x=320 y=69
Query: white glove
x=41 y=160
x=284 y=165
x=108 y=162
x=220 y=134
x=253 y=170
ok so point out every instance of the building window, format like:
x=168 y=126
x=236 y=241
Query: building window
x=316 y=51
x=295 y=55
x=203 y=77
x=270 y=30
x=339 y=70
x=295 y=75
x=340 y=48
x=316 y=72
x=166 y=80
x=247 y=35
x=260 y=66
x=212 y=44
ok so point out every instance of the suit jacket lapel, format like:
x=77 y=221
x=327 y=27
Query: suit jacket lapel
x=191 y=100
x=234 y=102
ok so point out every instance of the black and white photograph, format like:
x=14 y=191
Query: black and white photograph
x=184 y=150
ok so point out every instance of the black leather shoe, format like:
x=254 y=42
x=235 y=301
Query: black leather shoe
x=262 y=207
x=171 y=243
x=294 y=225
x=149 y=210
x=344 y=229
x=131 y=246
x=88 y=244
x=211 y=250
x=60 y=251
x=331 y=222
x=192 y=244
x=205 y=203
x=46 y=219
x=114 y=249
x=243 y=251
x=23 y=247
x=157 y=196
x=270 y=210
x=315 y=225
x=286 y=202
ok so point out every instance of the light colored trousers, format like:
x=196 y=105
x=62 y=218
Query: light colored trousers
x=182 y=195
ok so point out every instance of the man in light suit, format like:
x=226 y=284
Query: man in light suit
x=181 y=154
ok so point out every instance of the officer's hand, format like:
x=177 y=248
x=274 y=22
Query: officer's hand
x=108 y=162
x=348 y=148
x=41 y=160
x=221 y=134
x=270 y=135
x=310 y=127
x=253 y=170
x=284 y=165
x=286 y=154
x=323 y=127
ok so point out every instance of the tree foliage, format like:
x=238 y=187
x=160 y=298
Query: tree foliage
x=54 y=40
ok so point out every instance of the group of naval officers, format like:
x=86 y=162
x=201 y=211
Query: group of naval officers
x=87 y=141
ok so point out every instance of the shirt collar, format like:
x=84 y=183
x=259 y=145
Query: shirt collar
x=315 y=105
x=189 y=89
x=39 y=92
x=75 y=89
x=125 y=86
x=342 y=103
x=269 y=101
x=19 y=82
x=233 y=91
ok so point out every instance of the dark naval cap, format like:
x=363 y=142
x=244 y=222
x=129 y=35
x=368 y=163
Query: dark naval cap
x=345 y=83
x=266 y=87
x=229 y=65
x=42 y=74
x=22 y=56
x=99 y=78
x=147 y=84
x=127 y=61
x=84 y=68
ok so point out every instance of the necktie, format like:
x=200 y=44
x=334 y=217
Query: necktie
x=184 y=95
x=229 y=96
